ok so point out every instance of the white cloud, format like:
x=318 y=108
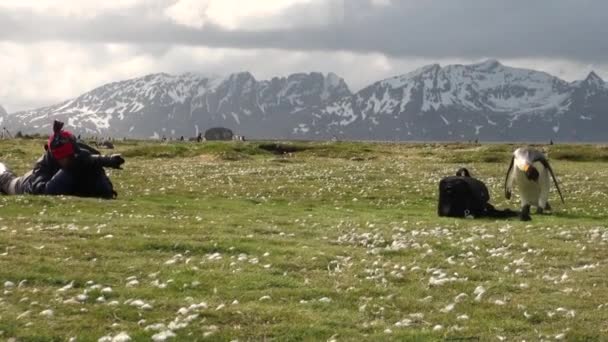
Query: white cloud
x=188 y=12
x=45 y=73
x=381 y=2
x=70 y=8
x=248 y=15
x=237 y=14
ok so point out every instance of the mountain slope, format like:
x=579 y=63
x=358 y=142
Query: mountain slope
x=162 y=104
x=479 y=101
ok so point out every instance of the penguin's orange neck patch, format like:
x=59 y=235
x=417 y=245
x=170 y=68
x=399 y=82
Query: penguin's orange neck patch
x=526 y=167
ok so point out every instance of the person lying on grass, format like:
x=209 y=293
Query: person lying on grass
x=67 y=167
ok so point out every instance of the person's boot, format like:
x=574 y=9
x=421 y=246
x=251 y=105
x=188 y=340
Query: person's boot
x=6 y=176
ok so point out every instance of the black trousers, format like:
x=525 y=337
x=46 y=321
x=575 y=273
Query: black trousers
x=62 y=183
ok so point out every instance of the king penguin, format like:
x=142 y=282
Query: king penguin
x=530 y=170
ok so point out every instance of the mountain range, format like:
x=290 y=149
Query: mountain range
x=486 y=101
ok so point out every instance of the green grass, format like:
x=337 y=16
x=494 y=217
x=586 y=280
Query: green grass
x=304 y=241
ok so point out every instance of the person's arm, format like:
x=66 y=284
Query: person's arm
x=93 y=160
x=44 y=169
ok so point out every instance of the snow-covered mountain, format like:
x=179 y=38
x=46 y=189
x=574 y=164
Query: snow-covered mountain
x=162 y=104
x=487 y=101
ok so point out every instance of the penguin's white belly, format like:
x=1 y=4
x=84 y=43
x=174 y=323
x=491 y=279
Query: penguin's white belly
x=529 y=191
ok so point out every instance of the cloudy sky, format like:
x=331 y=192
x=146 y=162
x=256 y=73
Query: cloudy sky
x=52 y=50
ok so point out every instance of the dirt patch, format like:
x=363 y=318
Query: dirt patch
x=207 y=158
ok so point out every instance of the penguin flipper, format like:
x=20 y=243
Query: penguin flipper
x=547 y=166
x=509 y=179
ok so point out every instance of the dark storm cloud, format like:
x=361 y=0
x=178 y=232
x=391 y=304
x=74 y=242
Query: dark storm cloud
x=573 y=30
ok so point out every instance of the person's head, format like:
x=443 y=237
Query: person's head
x=62 y=145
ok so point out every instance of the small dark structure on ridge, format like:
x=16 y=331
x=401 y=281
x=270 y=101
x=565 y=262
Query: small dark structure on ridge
x=218 y=133
x=197 y=138
x=5 y=134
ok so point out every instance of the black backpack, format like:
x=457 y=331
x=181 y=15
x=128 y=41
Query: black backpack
x=464 y=196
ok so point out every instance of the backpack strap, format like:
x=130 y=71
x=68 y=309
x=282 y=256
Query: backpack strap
x=463 y=172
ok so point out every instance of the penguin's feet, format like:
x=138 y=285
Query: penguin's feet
x=544 y=210
x=525 y=213
x=525 y=217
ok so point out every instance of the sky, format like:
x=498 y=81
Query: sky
x=53 y=50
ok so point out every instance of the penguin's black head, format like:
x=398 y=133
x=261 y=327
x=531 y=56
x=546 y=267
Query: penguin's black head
x=532 y=173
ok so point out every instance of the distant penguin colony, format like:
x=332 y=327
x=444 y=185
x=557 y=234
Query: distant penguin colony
x=529 y=170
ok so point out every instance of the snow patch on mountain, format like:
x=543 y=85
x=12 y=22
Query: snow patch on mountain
x=140 y=106
x=484 y=86
x=483 y=99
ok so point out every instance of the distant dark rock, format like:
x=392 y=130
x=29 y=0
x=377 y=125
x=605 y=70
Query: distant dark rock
x=107 y=144
x=218 y=133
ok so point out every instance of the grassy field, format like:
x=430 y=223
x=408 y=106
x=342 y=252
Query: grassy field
x=325 y=242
